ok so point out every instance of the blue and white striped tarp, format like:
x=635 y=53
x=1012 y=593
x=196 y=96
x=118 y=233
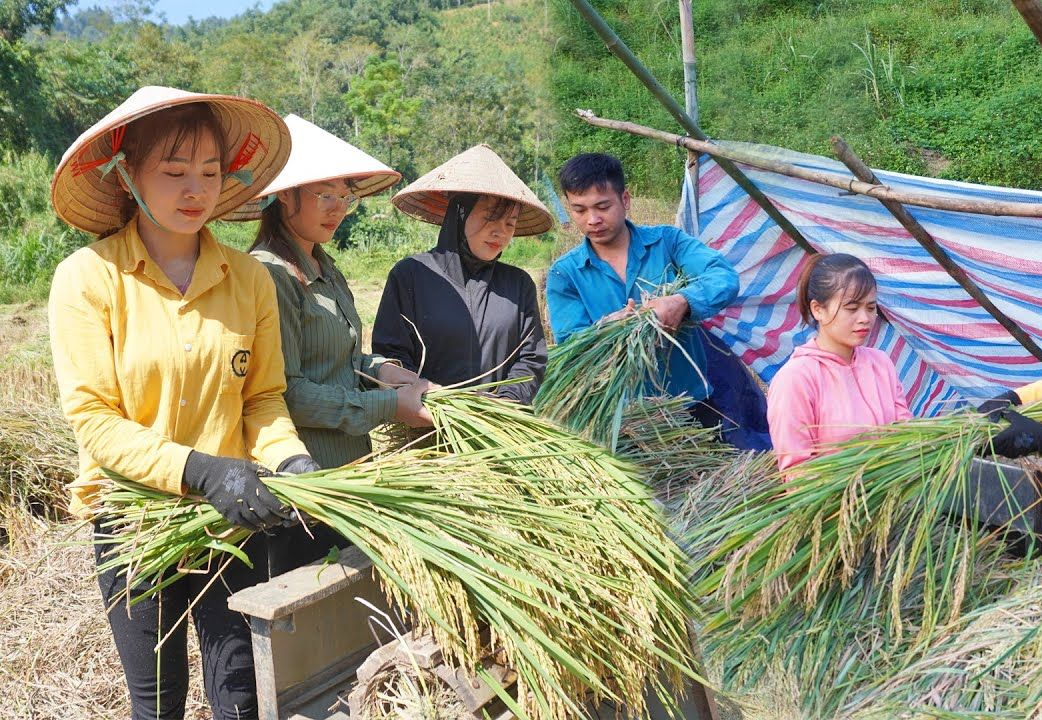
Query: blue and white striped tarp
x=947 y=349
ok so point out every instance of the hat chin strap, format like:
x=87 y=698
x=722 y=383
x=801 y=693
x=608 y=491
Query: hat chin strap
x=244 y=176
x=116 y=162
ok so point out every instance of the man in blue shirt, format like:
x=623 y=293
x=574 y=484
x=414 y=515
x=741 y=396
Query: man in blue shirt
x=605 y=275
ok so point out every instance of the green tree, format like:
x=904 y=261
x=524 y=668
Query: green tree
x=384 y=113
x=17 y=16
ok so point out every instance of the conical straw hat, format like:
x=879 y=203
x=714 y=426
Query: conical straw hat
x=478 y=170
x=317 y=156
x=257 y=138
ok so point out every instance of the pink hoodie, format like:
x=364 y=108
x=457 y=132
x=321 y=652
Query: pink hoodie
x=817 y=398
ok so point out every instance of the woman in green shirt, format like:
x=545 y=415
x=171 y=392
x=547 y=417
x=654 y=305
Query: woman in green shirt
x=330 y=391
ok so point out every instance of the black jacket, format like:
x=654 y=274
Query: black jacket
x=471 y=315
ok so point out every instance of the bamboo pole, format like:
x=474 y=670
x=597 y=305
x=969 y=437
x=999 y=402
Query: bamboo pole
x=1031 y=11
x=621 y=51
x=687 y=49
x=687 y=45
x=848 y=184
x=923 y=237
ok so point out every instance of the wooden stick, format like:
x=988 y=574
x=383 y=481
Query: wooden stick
x=848 y=184
x=1031 y=11
x=917 y=231
x=619 y=49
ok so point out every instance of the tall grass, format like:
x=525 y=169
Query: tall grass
x=32 y=240
x=904 y=83
x=37 y=462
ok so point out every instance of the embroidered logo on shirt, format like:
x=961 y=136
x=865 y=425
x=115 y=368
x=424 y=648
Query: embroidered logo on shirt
x=240 y=363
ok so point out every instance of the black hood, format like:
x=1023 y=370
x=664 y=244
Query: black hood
x=452 y=252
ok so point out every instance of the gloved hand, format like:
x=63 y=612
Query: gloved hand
x=995 y=406
x=1022 y=437
x=298 y=465
x=234 y=488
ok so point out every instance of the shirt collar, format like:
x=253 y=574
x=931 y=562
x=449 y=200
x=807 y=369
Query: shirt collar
x=299 y=259
x=588 y=254
x=210 y=268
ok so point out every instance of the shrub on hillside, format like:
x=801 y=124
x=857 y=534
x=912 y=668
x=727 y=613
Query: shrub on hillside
x=32 y=239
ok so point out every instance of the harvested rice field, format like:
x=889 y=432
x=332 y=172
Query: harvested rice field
x=57 y=660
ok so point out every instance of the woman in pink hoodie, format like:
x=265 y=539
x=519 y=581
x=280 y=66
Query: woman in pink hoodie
x=832 y=388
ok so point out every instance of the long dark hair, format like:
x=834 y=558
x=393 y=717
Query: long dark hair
x=826 y=275
x=271 y=233
x=174 y=126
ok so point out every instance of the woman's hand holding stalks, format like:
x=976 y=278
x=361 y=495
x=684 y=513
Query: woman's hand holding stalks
x=411 y=410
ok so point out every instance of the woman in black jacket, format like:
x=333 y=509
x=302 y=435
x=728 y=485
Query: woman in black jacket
x=456 y=313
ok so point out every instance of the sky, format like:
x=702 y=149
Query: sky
x=178 y=11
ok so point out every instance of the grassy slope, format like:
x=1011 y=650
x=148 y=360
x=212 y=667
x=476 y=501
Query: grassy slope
x=939 y=95
x=953 y=87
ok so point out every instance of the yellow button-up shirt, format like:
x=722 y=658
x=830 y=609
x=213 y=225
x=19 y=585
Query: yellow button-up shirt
x=147 y=375
x=1030 y=393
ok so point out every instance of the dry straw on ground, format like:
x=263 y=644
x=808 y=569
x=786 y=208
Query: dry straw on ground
x=37 y=461
x=57 y=658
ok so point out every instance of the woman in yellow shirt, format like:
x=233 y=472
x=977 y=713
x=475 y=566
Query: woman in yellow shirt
x=169 y=364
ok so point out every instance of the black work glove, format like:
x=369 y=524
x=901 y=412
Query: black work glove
x=1022 y=437
x=298 y=465
x=235 y=489
x=995 y=406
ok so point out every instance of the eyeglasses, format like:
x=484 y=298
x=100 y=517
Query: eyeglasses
x=331 y=201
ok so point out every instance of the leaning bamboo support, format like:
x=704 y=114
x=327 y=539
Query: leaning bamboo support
x=864 y=173
x=687 y=38
x=843 y=182
x=1031 y=11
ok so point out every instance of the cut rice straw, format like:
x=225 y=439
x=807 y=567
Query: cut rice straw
x=594 y=375
x=551 y=541
x=853 y=570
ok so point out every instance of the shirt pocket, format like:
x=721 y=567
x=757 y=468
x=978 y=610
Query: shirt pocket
x=236 y=361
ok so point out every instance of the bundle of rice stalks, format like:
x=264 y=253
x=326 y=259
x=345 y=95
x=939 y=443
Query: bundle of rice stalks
x=661 y=436
x=986 y=664
x=569 y=568
x=852 y=570
x=839 y=651
x=37 y=461
x=731 y=481
x=593 y=376
x=793 y=541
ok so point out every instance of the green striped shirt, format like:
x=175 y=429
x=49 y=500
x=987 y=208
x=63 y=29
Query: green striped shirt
x=332 y=406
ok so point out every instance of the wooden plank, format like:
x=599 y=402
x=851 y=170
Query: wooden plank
x=701 y=700
x=324 y=686
x=326 y=632
x=264 y=670
x=302 y=587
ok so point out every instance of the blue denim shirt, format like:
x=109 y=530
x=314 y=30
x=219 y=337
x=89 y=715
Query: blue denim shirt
x=581 y=289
